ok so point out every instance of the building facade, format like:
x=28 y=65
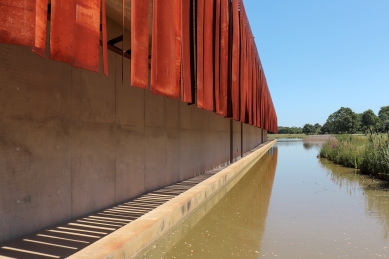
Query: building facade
x=75 y=138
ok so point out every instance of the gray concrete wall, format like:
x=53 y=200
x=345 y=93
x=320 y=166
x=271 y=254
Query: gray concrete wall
x=73 y=141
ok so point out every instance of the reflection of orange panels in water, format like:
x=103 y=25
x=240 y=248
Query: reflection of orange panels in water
x=66 y=239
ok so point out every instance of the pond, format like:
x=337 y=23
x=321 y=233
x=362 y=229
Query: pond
x=291 y=204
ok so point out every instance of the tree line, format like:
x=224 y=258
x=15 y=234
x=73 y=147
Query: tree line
x=343 y=121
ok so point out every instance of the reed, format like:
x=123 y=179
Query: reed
x=369 y=153
x=376 y=155
x=346 y=150
x=318 y=138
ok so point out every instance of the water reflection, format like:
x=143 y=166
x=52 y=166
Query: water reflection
x=308 y=145
x=233 y=227
x=308 y=208
x=375 y=192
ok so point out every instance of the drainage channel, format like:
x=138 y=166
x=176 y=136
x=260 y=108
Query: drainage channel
x=68 y=238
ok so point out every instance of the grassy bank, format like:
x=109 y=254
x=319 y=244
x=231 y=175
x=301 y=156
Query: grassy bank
x=368 y=153
x=304 y=137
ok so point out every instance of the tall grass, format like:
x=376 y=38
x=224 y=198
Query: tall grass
x=344 y=149
x=369 y=153
x=376 y=155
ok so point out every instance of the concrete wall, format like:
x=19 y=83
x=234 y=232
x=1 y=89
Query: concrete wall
x=73 y=141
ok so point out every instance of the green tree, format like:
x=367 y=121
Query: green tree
x=309 y=129
x=383 y=115
x=326 y=129
x=343 y=120
x=360 y=127
x=289 y=130
x=369 y=121
x=317 y=128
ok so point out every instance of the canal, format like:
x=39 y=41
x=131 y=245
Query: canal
x=289 y=205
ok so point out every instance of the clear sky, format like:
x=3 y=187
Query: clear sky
x=320 y=55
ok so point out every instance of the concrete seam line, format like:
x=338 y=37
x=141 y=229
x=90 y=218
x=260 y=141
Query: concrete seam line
x=132 y=239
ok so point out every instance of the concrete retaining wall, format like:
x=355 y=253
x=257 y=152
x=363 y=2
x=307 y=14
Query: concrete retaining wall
x=130 y=240
x=73 y=141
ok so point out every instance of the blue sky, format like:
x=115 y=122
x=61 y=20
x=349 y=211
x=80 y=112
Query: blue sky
x=320 y=55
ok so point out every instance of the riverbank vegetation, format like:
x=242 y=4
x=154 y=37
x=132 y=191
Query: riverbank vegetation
x=361 y=140
x=369 y=153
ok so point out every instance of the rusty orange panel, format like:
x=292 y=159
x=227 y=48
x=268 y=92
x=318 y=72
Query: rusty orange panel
x=187 y=51
x=62 y=37
x=139 y=43
x=267 y=109
x=200 y=53
x=235 y=59
x=224 y=53
x=257 y=122
x=208 y=85
x=87 y=40
x=250 y=79
x=217 y=54
x=266 y=116
x=178 y=32
x=104 y=32
x=247 y=67
x=262 y=101
x=259 y=68
x=254 y=97
x=17 y=19
x=40 y=28
x=243 y=65
x=77 y=43
x=259 y=115
x=259 y=95
x=163 y=53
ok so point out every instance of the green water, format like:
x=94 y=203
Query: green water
x=289 y=205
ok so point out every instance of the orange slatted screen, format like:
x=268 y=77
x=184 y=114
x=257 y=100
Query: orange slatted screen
x=163 y=62
x=187 y=45
x=203 y=48
x=77 y=43
x=139 y=43
x=200 y=52
x=62 y=37
x=104 y=28
x=224 y=57
x=177 y=20
x=235 y=59
x=217 y=53
x=243 y=66
x=17 y=22
x=87 y=37
x=40 y=28
x=208 y=51
x=250 y=79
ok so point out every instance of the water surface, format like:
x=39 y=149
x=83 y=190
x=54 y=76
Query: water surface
x=290 y=205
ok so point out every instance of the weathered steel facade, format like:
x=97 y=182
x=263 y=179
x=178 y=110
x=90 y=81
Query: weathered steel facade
x=198 y=46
